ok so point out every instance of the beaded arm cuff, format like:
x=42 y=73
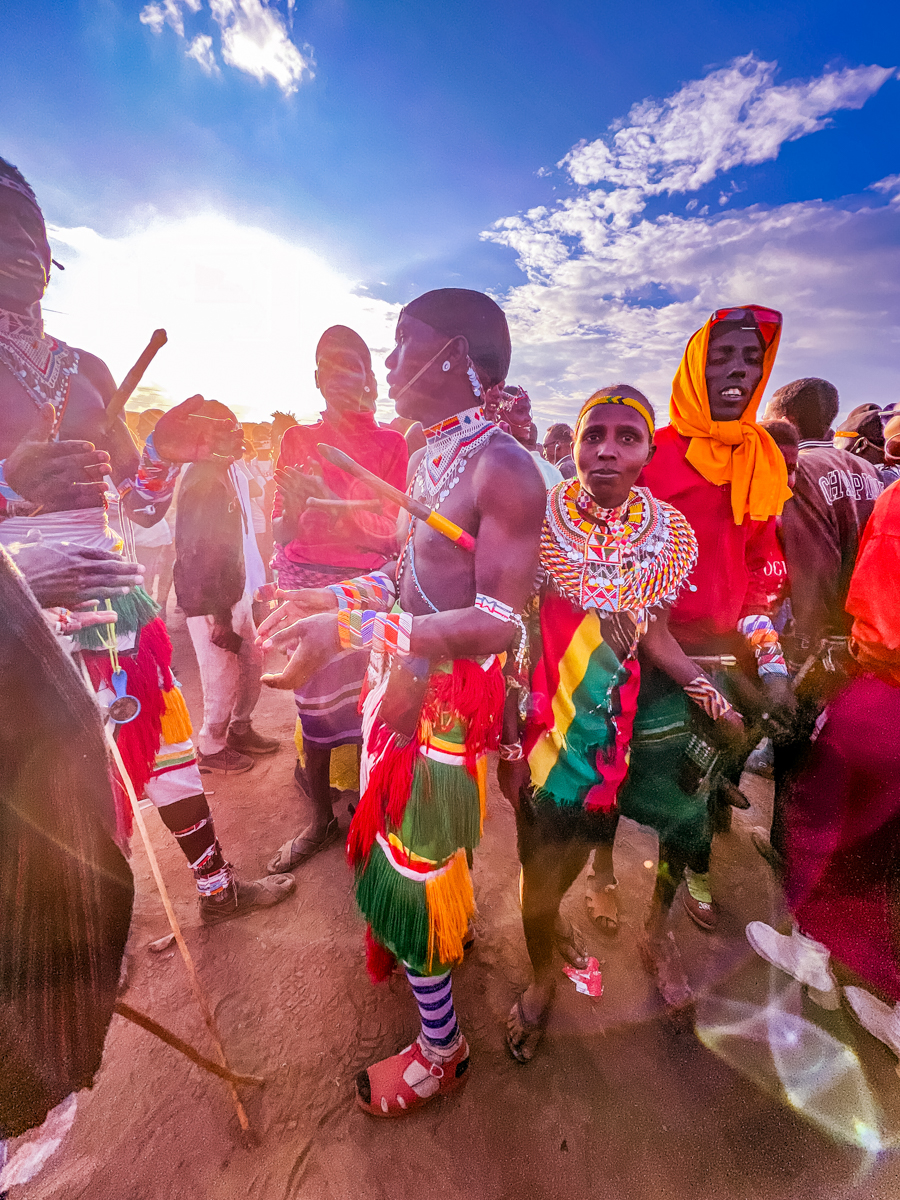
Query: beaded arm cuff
x=708 y=696
x=761 y=635
x=155 y=480
x=385 y=633
x=375 y=591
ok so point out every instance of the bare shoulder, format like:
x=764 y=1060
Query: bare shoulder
x=414 y=459
x=96 y=371
x=508 y=479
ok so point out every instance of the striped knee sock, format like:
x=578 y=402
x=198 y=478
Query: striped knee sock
x=434 y=996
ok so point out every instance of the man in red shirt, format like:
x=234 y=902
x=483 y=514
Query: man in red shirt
x=727 y=476
x=321 y=538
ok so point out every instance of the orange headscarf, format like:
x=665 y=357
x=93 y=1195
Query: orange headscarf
x=737 y=452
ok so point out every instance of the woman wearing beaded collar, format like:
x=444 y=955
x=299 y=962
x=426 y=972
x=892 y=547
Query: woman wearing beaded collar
x=613 y=560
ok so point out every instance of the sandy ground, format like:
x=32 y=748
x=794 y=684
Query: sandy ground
x=770 y=1099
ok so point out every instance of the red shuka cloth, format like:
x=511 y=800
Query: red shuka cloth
x=364 y=540
x=738 y=566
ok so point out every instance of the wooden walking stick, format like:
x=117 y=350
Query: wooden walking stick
x=122 y=394
x=196 y=986
x=449 y=529
x=183 y=1047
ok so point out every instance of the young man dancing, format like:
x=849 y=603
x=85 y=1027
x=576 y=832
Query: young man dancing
x=436 y=689
x=64 y=392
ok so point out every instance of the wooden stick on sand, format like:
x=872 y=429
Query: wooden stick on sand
x=196 y=986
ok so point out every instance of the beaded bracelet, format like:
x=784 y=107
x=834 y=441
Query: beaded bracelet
x=494 y=608
x=385 y=633
x=760 y=633
x=374 y=591
x=511 y=751
x=709 y=698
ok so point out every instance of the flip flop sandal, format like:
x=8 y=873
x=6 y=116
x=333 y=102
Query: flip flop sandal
x=603 y=908
x=571 y=947
x=407 y=1080
x=300 y=849
x=523 y=1036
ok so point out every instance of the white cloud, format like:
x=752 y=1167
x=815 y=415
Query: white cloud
x=733 y=116
x=243 y=309
x=201 y=51
x=255 y=38
x=613 y=295
x=167 y=12
x=890 y=183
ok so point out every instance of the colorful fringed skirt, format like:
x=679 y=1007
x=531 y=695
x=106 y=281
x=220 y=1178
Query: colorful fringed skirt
x=156 y=746
x=420 y=815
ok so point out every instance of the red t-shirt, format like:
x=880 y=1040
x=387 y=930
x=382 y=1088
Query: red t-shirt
x=363 y=540
x=738 y=567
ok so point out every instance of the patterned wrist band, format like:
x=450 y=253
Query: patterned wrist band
x=709 y=698
x=373 y=591
x=760 y=633
x=155 y=480
x=511 y=751
x=495 y=608
x=385 y=633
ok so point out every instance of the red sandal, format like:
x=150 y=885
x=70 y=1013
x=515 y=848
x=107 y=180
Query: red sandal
x=408 y=1080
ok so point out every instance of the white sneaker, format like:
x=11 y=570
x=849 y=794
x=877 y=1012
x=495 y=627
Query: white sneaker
x=800 y=957
x=880 y=1019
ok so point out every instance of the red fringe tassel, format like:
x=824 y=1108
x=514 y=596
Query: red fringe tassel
x=380 y=963
x=148 y=675
x=467 y=693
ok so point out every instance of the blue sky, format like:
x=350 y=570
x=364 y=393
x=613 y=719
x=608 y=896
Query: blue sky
x=242 y=171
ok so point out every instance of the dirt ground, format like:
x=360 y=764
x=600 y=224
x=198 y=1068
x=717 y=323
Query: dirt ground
x=771 y=1098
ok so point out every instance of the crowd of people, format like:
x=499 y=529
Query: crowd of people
x=629 y=615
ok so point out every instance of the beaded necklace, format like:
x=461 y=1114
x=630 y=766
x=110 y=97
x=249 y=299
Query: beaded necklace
x=629 y=558
x=43 y=365
x=449 y=446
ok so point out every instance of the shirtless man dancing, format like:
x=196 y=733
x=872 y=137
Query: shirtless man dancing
x=436 y=690
x=49 y=390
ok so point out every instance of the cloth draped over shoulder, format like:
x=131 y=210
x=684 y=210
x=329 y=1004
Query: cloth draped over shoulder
x=872 y=599
x=737 y=452
x=65 y=888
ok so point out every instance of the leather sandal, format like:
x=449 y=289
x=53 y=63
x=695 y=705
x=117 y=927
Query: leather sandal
x=302 y=848
x=523 y=1036
x=570 y=944
x=603 y=908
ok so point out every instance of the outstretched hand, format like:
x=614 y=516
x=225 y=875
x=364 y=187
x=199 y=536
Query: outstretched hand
x=65 y=577
x=184 y=434
x=276 y=629
x=317 y=642
x=56 y=475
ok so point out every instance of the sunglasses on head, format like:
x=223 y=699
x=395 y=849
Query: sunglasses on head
x=768 y=320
